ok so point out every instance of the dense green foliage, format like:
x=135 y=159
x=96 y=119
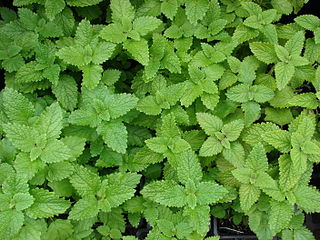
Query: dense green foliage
x=172 y=111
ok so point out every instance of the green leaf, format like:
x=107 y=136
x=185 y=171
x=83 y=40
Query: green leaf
x=55 y=151
x=264 y=52
x=233 y=130
x=59 y=171
x=84 y=208
x=169 y=8
x=306 y=100
x=145 y=25
x=111 y=76
x=10 y=223
x=122 y=11
x=21 y=136
x=22 y=201
x=116 y=194
x=209 y=123
x=209 y=193
x=210 y=147
x=284 y=72
x=53 y=8
x=289 y=175
x=309 y=22
x=308 y=198
x=114 y=33
x=257 y=159
x=17 y=107
x=311 y=147
x=199 y=218
x=295 y=44
x=85 y=181
x=91 y=75
x=51 y=121
x=280 y=139
x=66 y=92
x=157 y=144
x=149 y=106
x=243 y=175
x=121 y=104
x=76 y=55
x=165 y=192
x=196 y=10
x=188 y=167
x=239 y=93
x=280 y=215
x=261 y=93
x=59 y=229
x=46 y=204
x=114 y=135
x=138 y=49
x=249 y=194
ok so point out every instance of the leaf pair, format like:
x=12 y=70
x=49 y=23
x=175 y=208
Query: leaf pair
x=100 y=195
x=193 y=193
x=220 y=134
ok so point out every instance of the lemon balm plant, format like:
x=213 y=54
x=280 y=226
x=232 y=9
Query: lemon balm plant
x=163 y=112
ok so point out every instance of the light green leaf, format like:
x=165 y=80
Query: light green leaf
x=59 y=229
x=145 y=25
x=84 y=208
x=209 y=123
x=284 y=72
x=158 y=144
x=289 y=175
x=249 y=194
x=280 y=139
x=21 y=136
x=280 y=215
x=91 y=75
x=46 y=204
x=51 y=121
x=59 y=171
x=264 y=52
x=257 y=159
x=308 y=198
x=122 y=11
x=138 y=49
x=66 y=92
x=102 y=52
x=239 y=93
x=54 y=7
x=243 y=175
x=85 y=181
x=121 y=104
x=188 y=167
x=10 y=223
x=22 y=201
x=196 y=10
x=309 y=22
x=169 y=8
x=165 y=192
x=232 y=130
x=17 y=107
x=210 y=147
x=115 y=135
x=295 y=44
x=114 y=33
x=210 y=193
x=261 y=93
x=55 y=151
x=149 y=106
